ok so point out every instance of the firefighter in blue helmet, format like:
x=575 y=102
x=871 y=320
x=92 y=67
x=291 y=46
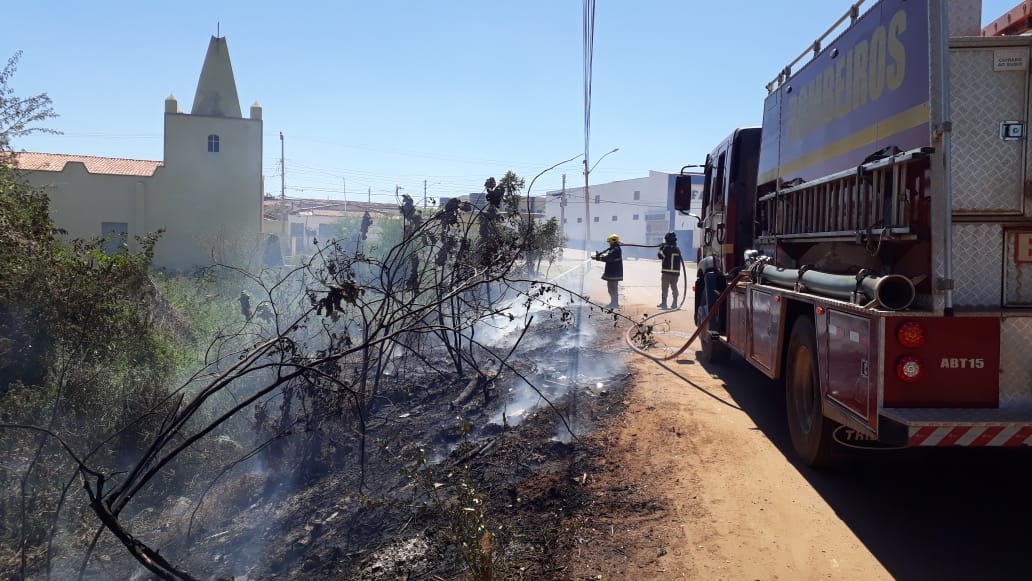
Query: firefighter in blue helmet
x=670 y=255
x=613 y=272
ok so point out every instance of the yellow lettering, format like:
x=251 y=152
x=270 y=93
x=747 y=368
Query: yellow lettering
x=877 y=63
x=827 y=110
x=813 y=98
x=860 y=58
x=871 y=67
x=896 y=71
x=842 y=94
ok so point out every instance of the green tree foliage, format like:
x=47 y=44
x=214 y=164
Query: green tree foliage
x=19 y=116
x=548 y=242
x=83 y=354
x=57 y=298
x=80 y=355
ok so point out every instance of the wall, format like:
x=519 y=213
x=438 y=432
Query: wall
x=81 y=201
x=208 y=201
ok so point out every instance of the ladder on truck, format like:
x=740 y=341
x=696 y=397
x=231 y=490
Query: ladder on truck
x=870 y=202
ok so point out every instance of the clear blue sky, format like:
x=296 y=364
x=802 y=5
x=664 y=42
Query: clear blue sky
x=384 y=93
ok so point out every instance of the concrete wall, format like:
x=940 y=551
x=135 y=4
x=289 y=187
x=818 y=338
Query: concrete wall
x=80 y=202
x=208 y=201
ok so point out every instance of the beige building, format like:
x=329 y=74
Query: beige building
x=206 y=194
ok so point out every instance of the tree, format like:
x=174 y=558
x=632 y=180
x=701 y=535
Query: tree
x=548 y=242
x=80 y=350
x=20 y=116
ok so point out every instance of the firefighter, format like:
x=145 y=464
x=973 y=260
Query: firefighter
x=245 y=305
x=613 y=272
x=670 y=255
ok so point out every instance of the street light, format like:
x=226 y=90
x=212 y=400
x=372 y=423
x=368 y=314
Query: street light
x=544 y=171
x=614 y=150
x=541 y=173
x=587 y=203
x=530 y=213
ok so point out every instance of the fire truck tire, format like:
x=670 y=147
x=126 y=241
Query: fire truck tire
x=811 y=432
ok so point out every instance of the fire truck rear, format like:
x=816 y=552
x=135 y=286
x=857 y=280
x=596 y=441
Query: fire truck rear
x=871 y=244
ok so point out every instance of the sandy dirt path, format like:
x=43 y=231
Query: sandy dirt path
x=690 y=487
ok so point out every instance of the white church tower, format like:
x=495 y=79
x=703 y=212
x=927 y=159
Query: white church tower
x=211 y=198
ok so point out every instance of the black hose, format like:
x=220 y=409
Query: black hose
x=684 y=285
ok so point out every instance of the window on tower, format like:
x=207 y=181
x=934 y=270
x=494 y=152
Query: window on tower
x=213 y=143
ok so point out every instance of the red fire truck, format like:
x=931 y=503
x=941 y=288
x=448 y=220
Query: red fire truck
x=871 y=244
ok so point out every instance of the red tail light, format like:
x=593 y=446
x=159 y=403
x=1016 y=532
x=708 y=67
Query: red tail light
x=911 y=334
x=909 y=368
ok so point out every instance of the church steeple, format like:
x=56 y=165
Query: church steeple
x=216 y=90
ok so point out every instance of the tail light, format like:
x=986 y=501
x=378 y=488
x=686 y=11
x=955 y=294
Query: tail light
x=909 y=368
x=911 y=334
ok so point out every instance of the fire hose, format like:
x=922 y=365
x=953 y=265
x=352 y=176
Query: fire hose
x=698 y=329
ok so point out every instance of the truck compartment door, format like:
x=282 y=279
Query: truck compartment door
x=989 y=86
x=845 y=341
x=765 y=316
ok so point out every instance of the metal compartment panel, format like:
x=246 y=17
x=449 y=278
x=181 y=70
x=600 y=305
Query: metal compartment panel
x=1017 y=268
x=847 y=374
x=1015 y=363
x=988 y=171
x=736 y=325
x=765 y=318
x=977 y=269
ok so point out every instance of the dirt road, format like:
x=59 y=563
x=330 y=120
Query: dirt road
x=699 y=482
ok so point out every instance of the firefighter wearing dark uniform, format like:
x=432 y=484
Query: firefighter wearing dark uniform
x=670 y=255
x=613 y=272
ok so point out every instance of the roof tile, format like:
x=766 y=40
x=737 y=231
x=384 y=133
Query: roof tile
x=33 y=161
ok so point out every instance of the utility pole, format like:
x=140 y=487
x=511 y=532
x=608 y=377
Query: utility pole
x=587 y=203
x=369 y=193
x=283 y=171
x=562 y=210
x=424 y=194
x=345 y=191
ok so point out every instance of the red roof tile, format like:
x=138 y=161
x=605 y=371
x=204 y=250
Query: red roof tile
x=32 y=161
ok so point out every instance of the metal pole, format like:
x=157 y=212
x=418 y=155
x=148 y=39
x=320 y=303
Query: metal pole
x=587 y=205
x=530 y=213
x=283 y=170
x=946 y=126
x=562 y=210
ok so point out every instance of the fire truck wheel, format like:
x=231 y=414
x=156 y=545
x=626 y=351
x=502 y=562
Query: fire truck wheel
x=811 y=432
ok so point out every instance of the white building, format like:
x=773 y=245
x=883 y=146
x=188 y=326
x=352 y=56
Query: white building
x=640 y=211
x=206 y=194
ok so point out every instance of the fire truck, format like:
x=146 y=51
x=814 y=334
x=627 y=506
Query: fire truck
x=870 y=246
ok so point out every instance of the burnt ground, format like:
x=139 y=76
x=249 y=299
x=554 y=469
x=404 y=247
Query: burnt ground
x=491 y=487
